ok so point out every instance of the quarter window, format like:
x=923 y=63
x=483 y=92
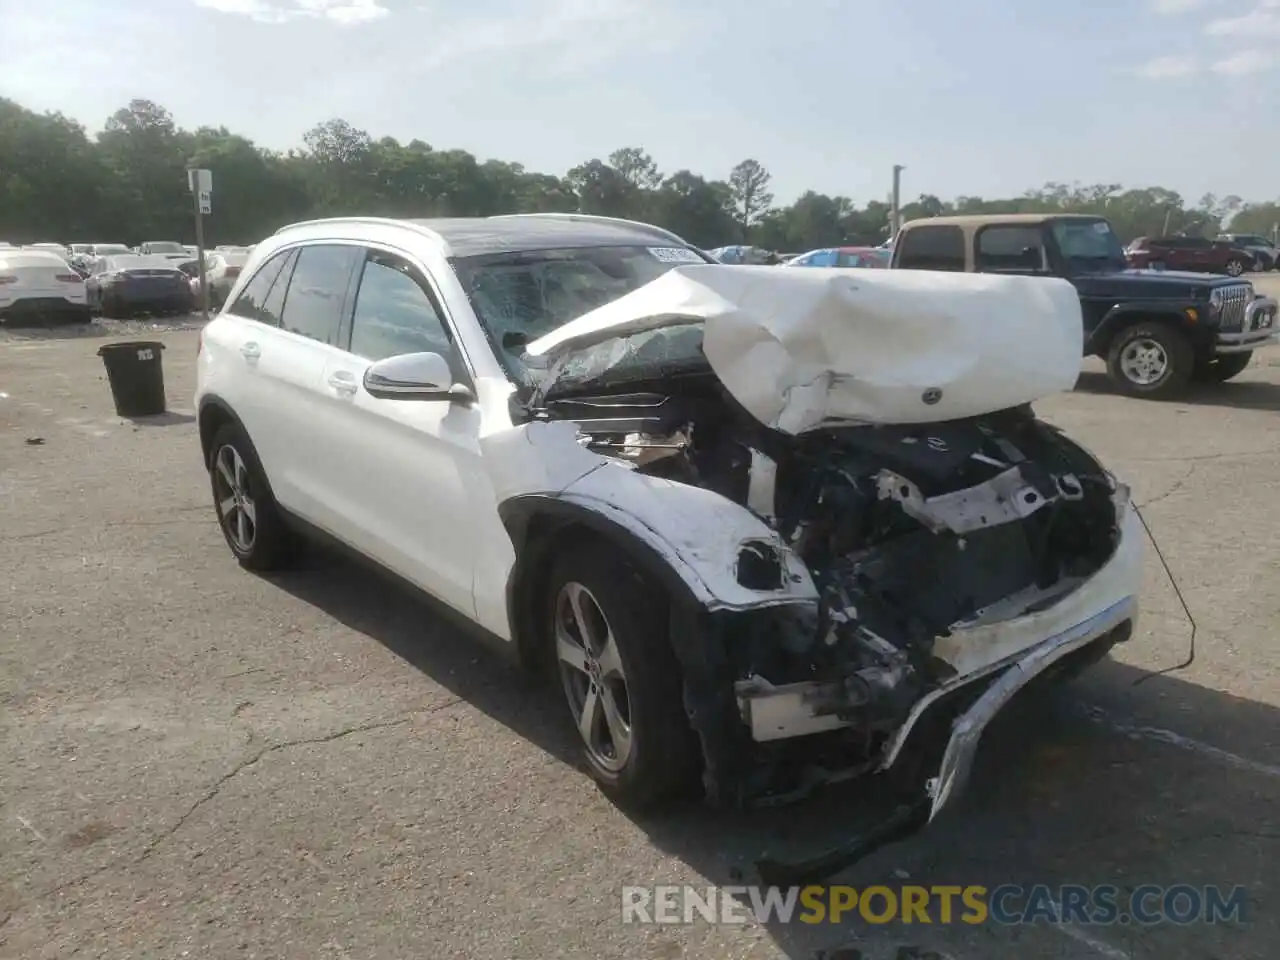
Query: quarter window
x=273 y=306
x=1010 y=249
x=394 y=314
x=317 y=291
x=254 y=295
x=931 y=248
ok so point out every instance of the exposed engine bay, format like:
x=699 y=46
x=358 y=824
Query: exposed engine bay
x=910 y=532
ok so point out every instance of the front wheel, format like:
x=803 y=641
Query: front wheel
x=1236 y=266
x=607 y=628
x=1150 y=360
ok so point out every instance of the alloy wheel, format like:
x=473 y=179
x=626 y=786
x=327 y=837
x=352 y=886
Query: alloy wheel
x=237 y=511
x=592 y=674
x=1144 y=361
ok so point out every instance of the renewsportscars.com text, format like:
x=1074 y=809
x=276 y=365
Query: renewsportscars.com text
x=1009 y=905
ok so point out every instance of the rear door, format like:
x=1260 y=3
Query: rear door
x=292 y=311
x=403 y=492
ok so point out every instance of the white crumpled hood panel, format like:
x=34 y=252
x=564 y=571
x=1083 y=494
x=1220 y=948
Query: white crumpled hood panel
x=807 y=347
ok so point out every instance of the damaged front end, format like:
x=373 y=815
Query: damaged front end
x=952 y=563
x=909 y=575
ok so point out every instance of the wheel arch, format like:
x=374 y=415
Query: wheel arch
x=540 y=526
x=1124 y=316
x=213 y=414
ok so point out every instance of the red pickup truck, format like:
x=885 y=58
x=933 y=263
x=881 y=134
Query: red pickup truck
x=1198 y=254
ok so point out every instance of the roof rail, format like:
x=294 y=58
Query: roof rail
x=594 y=218
x=371 y=221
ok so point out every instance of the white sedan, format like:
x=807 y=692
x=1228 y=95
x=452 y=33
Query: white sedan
x=37 y=285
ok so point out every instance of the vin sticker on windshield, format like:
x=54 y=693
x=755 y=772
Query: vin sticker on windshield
x=675 y=255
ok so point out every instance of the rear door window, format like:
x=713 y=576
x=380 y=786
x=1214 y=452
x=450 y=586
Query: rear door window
x=1010 y=249
x=931 y=248
x=318 y=290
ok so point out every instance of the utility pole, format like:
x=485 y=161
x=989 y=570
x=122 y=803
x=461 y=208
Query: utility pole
x=895 y=215
x=200 y=183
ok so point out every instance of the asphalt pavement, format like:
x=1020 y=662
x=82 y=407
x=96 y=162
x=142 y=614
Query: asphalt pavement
x=200 y=762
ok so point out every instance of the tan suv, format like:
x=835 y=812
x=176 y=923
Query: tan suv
x=1157 y=330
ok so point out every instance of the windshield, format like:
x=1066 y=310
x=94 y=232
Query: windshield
x=165 y=246
x=519 y=297
x=108 y=249
x=1088 y=244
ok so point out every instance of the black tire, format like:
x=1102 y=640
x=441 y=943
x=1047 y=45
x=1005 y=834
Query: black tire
x=1236 y=267
x=663 y=760
x=1178 y=367
x=272 y=544
x=1224 y=367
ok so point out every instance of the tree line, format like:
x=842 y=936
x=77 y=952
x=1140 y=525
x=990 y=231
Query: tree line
x=128 y=184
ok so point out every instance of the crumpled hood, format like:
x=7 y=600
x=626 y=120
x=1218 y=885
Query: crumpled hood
x=801 y=349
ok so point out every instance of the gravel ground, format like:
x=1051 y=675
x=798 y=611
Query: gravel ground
x=198 y=762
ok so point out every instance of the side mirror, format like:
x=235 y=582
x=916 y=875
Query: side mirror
x=415 y=376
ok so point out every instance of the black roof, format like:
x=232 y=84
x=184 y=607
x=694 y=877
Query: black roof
x=477 y=236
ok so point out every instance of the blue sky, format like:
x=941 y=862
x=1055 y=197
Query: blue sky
x=983 y=97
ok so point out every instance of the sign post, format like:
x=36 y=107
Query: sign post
x=200 y=183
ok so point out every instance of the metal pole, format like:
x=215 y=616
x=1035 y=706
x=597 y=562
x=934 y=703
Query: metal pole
x=895 y=216
x=204 y=285
x=1168 y=211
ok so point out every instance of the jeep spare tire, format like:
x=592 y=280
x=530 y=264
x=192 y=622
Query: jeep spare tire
x=1150 y=360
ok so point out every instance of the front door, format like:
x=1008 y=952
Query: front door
x=403 y=488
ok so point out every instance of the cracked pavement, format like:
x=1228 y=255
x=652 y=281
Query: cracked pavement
x=199 y=762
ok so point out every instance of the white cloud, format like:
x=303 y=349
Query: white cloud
x=575 y=34
x=280 y=11
x=1245 y=62
x=1164 y=68
x=1174 y=7
x=1261 y=22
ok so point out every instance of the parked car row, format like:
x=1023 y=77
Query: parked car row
x=70 y=282
x=1225 y=255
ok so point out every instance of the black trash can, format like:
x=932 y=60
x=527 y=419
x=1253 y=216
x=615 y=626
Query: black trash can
x=136 y=377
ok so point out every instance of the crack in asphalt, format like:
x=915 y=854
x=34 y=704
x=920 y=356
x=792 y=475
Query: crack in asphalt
x=73 y=528
x=216 y=787
x=1178 y=485
x=1233 y=455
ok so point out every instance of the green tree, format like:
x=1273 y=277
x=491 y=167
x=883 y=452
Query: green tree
x=749 y=183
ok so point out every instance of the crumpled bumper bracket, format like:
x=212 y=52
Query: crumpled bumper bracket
x=962 y=746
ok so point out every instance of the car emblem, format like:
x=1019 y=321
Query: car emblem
x=931 y=396
x=937 y=443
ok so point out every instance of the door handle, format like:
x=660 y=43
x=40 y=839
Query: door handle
x=343 y=382
x=251 y=351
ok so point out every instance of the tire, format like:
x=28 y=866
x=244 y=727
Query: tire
x=1169 y=372
x=657 y=762
x=254 y=527
x=1236 y=267
x=1224 y=368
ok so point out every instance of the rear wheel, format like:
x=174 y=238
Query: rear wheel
x=1150 y=360
x=248 y=515
x=1236 y=266
x=607 y=628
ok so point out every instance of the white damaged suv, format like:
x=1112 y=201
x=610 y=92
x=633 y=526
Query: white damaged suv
x=770 y=528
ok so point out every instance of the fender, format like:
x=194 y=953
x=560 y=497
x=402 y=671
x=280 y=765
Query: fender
x=686 y=538
x=1124 y=313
